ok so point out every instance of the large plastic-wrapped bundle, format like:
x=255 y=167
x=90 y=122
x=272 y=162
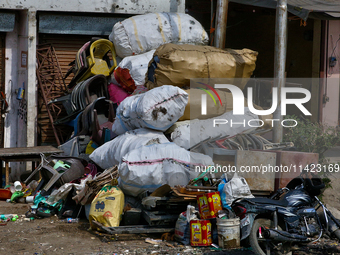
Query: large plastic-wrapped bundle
x=196 y=131
x=142 y=33
x=193 y=108
x=177 y=64
x=112 y=152
x=156 y=109
x=150 y=167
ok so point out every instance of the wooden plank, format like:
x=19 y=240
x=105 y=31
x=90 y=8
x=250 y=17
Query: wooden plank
x=24 y=151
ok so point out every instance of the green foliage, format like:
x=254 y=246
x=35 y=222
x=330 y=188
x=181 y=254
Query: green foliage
x=328 y=184
x=312 y=137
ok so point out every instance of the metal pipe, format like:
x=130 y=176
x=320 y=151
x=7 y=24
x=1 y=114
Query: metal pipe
x=280 y=63
x=221 y=23
x=275 y=219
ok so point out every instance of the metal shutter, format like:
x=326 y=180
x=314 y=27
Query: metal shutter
x=66 y=47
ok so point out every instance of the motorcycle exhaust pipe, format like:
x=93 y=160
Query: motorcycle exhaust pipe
x=283 y=236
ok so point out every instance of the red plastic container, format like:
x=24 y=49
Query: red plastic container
x=200 y=233
x=209 y=204
x=5 y=194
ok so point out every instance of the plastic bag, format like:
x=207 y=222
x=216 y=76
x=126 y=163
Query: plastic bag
x=236 y=188
x=131 y=70
x=117 y=94
x=182 y=228
x=107 y=207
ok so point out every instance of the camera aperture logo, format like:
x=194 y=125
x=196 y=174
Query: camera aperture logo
x=204 y=97
x=239 y=102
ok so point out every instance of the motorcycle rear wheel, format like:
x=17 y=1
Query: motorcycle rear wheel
x=260 y=246
x=335 y=221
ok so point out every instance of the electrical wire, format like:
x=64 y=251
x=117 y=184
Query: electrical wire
x=336 y=45
x=329 y=67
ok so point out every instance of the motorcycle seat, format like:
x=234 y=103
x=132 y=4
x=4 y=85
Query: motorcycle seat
x=266 y=201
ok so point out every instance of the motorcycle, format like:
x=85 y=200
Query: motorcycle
x=291 y=217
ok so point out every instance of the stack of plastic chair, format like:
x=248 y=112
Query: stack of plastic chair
x=82 y=95
x=79 y=65
x=97 y=115
x=58 y=170
x=102 y=124
x=92 y=59
x=98 y=61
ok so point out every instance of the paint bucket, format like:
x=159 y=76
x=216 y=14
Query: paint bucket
x=228 y=233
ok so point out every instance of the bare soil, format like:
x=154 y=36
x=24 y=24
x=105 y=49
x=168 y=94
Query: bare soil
x=52 y=236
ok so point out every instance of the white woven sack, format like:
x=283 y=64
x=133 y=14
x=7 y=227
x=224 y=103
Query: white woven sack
x=152 y=166
x=142 y=33
x=196 y=131
x=156 y=109
x=111 y=153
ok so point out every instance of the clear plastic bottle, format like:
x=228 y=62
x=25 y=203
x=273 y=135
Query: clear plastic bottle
x=71 y=220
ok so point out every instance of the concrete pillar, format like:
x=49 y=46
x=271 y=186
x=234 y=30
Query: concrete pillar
x=11 y=84
x=31 y=80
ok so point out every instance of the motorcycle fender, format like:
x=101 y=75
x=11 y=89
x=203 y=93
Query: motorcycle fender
x=246 y=224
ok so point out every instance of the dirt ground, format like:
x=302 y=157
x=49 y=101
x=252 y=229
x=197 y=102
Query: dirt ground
x=331 y=196
x=52 y=236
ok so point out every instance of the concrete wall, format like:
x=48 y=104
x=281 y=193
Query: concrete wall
x=103 y=6
x=15 y=125
x=330 y=110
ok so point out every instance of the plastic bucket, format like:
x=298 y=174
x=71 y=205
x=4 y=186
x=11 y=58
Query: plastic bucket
x=228 y=232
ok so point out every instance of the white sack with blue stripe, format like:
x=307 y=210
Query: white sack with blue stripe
x=157 y=109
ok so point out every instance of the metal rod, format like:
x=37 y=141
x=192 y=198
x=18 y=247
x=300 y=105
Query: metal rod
x=221 y=23
x=280 y=63
x=324 y=211
x=275 y=219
